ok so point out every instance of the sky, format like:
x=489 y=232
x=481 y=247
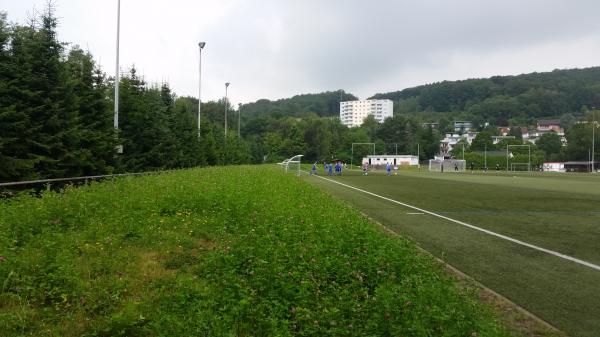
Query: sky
x=280 y=48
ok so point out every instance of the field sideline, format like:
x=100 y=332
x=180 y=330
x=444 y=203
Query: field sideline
x=555 y=212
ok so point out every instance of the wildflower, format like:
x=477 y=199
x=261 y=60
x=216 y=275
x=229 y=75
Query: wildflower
x=2 y=258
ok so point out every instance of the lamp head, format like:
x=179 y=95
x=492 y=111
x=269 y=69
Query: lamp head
x=226 y=84
x=202 y=44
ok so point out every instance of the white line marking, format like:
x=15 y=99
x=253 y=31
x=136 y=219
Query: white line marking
x=415 y=213
x=508 y=238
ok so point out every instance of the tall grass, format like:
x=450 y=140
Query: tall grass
x=244 y=251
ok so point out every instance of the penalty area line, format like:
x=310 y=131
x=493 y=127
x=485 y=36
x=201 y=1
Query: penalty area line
x=498 y=235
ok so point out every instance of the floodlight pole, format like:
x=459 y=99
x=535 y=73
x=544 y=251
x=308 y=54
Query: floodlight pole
x=226 y=86
x=507 y=158
x=418 y=156
x=485 y=157
x=200 y=45
x=239 y=114
x=529 y=159
x=593 y=136
x=116 y=116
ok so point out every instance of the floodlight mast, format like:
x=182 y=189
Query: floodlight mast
x=593 y=135
x=239 y=114
x=352 y=152
x=226 y=86
x=201 y=46
x=116 y=116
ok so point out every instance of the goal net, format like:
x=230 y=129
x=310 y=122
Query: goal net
x=520 y=167
x=521 y=152
x=292 y=164
x=447 y=165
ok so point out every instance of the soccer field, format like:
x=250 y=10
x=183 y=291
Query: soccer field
x=558 y=214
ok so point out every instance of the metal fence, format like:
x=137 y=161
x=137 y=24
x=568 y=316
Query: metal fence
x=85 y=179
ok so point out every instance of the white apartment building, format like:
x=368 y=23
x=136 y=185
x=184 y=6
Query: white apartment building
x=353 y=113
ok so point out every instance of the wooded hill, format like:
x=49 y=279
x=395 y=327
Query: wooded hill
x=504 y=100
x=323 y=104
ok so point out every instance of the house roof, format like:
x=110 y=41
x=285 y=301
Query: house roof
x=549 y=122
x=578 y=163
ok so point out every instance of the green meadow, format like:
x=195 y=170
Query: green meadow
x=559 y=212
x=234 y=251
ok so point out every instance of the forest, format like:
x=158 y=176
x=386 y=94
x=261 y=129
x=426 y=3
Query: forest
x=56 y=115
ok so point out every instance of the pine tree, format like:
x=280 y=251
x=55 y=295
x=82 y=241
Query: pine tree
x=40 y=92
x=132 y=122
x=88 y=87
x=184 y=125
x=15 y=163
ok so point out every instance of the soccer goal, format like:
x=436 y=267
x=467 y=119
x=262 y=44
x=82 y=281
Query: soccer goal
x=517 y=166
x=293 y=164
x=520 y=167
x=362 y=153
x=447 y=165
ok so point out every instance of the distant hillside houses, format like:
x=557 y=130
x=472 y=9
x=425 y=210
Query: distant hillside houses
x=462 y=133
x=543 y=126
x=451 y=139
x=463 y=126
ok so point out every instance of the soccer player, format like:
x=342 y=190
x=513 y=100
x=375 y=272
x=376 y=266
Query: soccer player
x=330 y=169
x=389 y=169
x=365 y=168
x=313 y=170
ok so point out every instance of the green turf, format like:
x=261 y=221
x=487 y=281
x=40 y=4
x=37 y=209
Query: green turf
x=560 y=212
x=235 y=251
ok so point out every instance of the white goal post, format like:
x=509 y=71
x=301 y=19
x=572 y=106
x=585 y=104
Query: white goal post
x=519 y=167
x=512 y=165
x=294 y=161
x=447 y=165
x=352 y=154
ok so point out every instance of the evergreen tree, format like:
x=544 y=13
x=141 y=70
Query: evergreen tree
x=88 y=87
x=134 y=127
x=184 y=126
x=39 y=92
x=15 y=161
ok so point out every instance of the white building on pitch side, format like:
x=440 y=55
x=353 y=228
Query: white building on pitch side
x=380 y=161
x=553 y=167
x=353 y=113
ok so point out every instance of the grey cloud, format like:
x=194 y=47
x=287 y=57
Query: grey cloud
x=280 y=48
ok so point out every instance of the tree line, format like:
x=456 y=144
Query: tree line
x=56 y=117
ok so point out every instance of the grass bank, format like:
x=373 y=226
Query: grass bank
x=236 y=251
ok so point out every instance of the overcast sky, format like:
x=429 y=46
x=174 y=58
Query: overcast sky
x=279 y=48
